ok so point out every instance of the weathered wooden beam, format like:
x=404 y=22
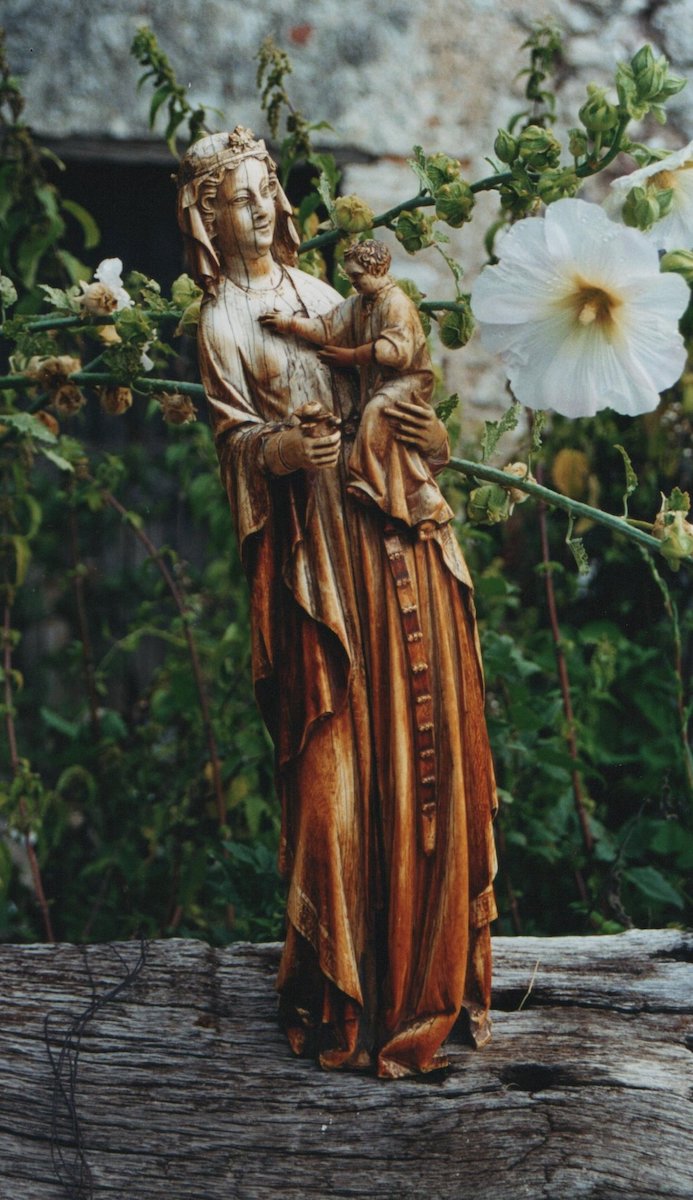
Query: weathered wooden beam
x=185 y=1089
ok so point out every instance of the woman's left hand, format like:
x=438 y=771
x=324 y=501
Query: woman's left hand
x=417 y=425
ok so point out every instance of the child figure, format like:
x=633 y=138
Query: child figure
x=399 y=438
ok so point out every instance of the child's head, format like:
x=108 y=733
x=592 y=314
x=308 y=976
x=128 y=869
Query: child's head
x=366 y=262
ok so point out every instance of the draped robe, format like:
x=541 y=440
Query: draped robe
x=386 y=942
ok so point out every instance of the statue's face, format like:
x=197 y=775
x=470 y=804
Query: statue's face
x=362 y=280
x=245 y=212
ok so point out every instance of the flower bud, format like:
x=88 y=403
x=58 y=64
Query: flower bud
x=676 y=536
x=456 y=327
x=8 y=292
x=454 y=203
x=190 y=318
x=185 y=291
x=640 y=209
x=680 y=261
x=488 y=504
x=521 y=471
x=352 y=214
x=115 y=400
x=597 y=113
x=67 y=400
x=176 y=408
x=442 y=169
x=577 y=142
x=538 y=147
x=556 y=183
x=505 y=146
x=413 y=230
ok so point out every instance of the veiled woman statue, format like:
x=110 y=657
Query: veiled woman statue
x=365 y=654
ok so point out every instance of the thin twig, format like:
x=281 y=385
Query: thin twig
x=179 y=600
x=14 y=764
x=528 y=993
x=564 y=681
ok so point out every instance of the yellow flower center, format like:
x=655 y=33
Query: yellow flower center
x=667 y=179
x=594 y=305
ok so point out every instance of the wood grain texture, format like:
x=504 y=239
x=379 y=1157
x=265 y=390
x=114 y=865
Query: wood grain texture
x=187 y=1091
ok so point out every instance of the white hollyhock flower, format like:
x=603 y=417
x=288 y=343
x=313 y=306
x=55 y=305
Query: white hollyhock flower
x=106 y=294
x=580 y=314
x=675 y=230
x=110 y=272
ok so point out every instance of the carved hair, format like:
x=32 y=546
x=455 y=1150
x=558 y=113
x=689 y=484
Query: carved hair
x=202 y=169
x=374 y=257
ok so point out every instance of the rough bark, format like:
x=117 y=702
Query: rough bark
x=186 y=1089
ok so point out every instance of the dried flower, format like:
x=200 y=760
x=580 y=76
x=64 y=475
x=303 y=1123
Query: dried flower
x=107 y=294
x=52 y=372
x=48 y=420
x=673 y=230
x=454 y=203
x=67 y=400
x=414 y=230
x=115 y=400
x=456 y=327
x=581 y=314
x=488 y=504
x=521 y=471
x=442 y=169
x=176 y=408
x=673 y=530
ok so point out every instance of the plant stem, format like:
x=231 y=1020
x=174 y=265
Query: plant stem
x=555 y=500
x=179 y=601
x=564 y=681
x=672 y=612
x=14 y=765
x=83 y=623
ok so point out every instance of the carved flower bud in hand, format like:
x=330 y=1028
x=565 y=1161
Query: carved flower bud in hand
x=414 y=231
x=67 y=400
x=454 y=203
x=176 y=409
x=352 y=214
x=488 y=504
x=115 y=400
x=538 y=148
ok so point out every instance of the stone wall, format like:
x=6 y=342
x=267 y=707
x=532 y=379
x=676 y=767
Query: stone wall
x=385 y=73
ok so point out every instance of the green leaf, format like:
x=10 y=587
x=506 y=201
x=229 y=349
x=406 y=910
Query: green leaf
x=27 y=423
x=54 y=720
x=57 y=459
x=494 y=430
x=160 y=95
x=91 y=231
x=652 y=884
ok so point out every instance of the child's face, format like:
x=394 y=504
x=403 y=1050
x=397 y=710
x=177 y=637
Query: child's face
x=361 y=280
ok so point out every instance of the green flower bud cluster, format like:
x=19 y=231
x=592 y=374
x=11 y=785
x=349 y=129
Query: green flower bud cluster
x=598 y=114
x=488 y=504
x=457 y=325
x=538 y=148
x=505 y=146
x=680 y=261
x=414 y=230
x=454 y=203
x=441 y=169
x=645 y=84
x=351 y=214
x=644 y=206
x=577 y=143
x=556 y=183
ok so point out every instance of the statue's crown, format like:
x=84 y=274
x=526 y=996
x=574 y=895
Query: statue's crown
x=220 y=150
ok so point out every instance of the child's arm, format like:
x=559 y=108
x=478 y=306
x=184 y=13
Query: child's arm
x=311 y=329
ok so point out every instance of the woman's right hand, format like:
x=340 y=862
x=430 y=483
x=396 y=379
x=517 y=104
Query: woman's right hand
x=295 y=450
